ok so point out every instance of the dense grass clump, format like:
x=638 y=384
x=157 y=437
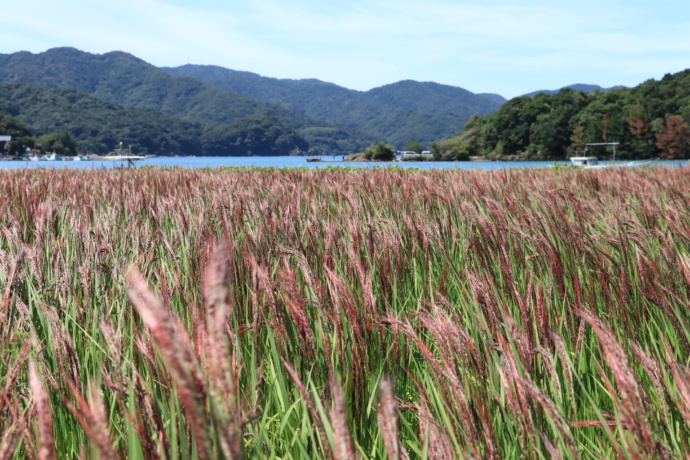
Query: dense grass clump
x=263 y=313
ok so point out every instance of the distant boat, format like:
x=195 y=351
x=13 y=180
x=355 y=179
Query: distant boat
x=593 y=163
x=584 y=162
x=74 y=158
x=51 y=157
x=113 y=157
x=121 y=154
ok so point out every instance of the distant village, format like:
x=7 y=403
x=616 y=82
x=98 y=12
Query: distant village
x=5 y=140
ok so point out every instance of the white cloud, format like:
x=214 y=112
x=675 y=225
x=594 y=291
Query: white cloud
x=512 y=46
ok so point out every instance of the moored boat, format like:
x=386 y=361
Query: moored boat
x=593 y=163
x=584 y=162
x=122 y=154
x=115 y=157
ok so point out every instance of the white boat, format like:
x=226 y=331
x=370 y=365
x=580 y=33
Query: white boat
x=74 y=158
x=52 y=157
x=593 y=163
x=584 y=162
x=115 y=157
x=122 y=154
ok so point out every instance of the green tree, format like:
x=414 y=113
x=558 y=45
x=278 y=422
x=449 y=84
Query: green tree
x=471 y=135
x=512 y=125
x=550 y=132
x=577 y=141
x=641 y=145
x=380 y=152
x=61 y=143
x=450 y=150
x=258 y=135
x=11 y=126
x=19 y=145
x=413 y=145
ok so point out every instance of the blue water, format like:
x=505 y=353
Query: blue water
x=288 y=162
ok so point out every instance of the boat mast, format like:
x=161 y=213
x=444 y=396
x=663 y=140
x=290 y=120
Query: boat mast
x=614 y=144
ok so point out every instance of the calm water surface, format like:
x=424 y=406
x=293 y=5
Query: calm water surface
x=288 y=162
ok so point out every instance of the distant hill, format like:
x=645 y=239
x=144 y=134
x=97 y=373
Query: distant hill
x=585 y=88
x=98 y=125
x=125 y=80
x=435 y=99
x=395 y=113
x=331 y=119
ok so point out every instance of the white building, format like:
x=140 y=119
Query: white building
x=4 y=141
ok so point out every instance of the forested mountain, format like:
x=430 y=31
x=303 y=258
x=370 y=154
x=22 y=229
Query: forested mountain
x=253 y=135
x=585 y=88
x=331 y=119
x=395 y=113
x=9 y=125
x=101 y=100
x=125 y=80
x=98 y=125
x=435 y=98
x=649 y=120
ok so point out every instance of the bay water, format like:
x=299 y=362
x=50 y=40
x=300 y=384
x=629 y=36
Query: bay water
x=291 y=162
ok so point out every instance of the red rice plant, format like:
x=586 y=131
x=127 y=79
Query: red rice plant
x=315 y=416
x=682 y=381
x=387 y=414
x=553 y=414
x=179 y=359
x=562 y=352
x=341 y=433
x=633 y=414
x=654 y=372
x=46 y=444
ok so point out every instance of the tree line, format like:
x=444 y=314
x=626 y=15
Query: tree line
x=68 y=121
x=648 y=121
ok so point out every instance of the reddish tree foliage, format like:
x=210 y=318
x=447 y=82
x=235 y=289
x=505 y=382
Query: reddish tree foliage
x=637 y=123
x=673 y=138
x=605 y=127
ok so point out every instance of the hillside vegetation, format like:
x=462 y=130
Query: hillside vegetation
x=395 y=113
x=97 y=125
x=650 y=120
x=124 y=80
x=331 y=119
x=101 y=100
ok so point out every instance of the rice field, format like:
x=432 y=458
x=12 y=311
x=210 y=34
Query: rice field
x=338 y=314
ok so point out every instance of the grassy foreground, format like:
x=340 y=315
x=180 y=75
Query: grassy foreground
x=341 y=314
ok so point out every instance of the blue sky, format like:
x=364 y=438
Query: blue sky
x=508 y=47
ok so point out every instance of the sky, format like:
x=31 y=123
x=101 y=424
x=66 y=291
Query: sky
x=507 y=47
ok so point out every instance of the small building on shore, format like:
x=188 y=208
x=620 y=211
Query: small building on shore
x=4 y=144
